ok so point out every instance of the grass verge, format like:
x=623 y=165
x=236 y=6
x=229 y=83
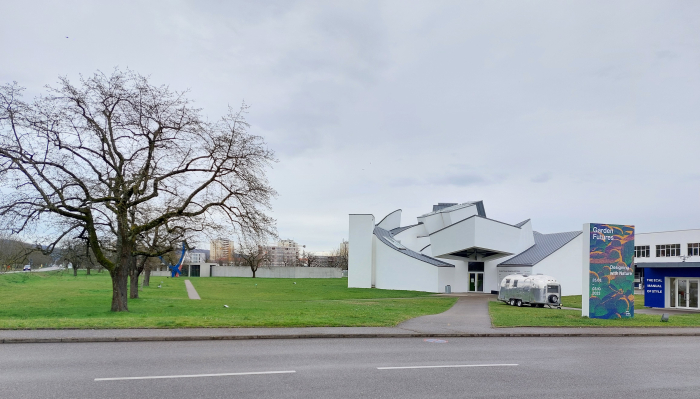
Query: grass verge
x=574 y=301
x=504 y=315
x=59 y=300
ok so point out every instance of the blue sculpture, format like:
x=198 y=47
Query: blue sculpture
x=175 y=269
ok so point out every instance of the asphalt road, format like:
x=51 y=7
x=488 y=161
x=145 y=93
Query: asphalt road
x=625 y=367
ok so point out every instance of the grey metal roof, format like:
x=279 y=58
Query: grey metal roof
x=545 y=245
x=386 y=237
x=400 y=229
x=521 y=224
x=480 y=210
x=443 y=207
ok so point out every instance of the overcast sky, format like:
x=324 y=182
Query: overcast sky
x=562 y=112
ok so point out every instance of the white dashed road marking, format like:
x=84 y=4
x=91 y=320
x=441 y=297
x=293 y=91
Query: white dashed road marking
x=194 y=375
x=445 y=366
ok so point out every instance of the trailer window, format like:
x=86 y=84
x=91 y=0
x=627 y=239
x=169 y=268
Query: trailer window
x=552 y=289
x=515 y=283
x=507 y=281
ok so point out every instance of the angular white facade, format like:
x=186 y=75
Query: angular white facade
x=456 y=245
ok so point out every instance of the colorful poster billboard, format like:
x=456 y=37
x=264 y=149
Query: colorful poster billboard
x=608 y=274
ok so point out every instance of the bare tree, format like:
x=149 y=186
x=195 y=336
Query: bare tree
x=77 y=253
x=84 y=157
x=340 y=256
x=12 y=253
x=290 y=258
x=157 y=242
x=309 y=259
x=253 y=255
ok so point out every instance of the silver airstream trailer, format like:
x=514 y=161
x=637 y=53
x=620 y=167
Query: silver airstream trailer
x=534 y=290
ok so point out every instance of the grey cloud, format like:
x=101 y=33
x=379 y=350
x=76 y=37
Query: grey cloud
x=466 y=179
x=541 y=178
x=371 y=103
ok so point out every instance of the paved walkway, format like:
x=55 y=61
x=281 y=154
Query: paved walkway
x=468 y=318
x=191 y=292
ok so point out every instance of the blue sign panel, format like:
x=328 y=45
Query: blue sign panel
x=654 y=295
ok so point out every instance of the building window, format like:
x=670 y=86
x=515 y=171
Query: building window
x=667 y=250
x=641 y=251
x=694 y=249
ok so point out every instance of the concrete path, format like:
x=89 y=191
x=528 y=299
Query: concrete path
x=191 y=292
x=469 y=314
x=468 y=318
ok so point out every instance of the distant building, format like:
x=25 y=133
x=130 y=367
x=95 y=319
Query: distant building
x=221 y=251
x=668 y=263
x=285 y=253
x=198 y=255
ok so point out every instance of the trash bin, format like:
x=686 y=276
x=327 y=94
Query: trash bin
x=448 y=289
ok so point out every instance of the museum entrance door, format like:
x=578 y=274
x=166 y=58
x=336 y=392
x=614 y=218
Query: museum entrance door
x=684 y=293
x=476 y=282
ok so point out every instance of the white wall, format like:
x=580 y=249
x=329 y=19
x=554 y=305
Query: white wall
x=360 y=252
x=566 y=265
x=433 y=222
x=458 y=214
x=277 y=272
x=391 y=221
x=682 y=237
x=398 y=271
x=475 y=232
x=409 y=238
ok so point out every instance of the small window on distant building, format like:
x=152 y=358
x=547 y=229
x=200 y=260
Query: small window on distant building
x=641 y=251
x=667 y=250
x=694 y=249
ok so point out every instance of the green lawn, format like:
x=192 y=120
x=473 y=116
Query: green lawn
x=59 y=300
x=504 y=315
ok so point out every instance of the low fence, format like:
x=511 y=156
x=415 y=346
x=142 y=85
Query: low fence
x=277 y=272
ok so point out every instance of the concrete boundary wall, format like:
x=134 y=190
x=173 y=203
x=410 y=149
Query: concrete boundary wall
x=277 y=272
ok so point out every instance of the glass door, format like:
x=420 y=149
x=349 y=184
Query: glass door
x=684 y=293
x=476 y=282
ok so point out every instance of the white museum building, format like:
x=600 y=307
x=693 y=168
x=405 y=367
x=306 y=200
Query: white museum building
x=457 y=245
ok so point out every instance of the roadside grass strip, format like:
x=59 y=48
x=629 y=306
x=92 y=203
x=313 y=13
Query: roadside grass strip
x=58 y=300
x=155 y=377
x=504 y=315
x=445 y=366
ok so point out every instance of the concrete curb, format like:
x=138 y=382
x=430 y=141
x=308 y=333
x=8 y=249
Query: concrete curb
x=339 y=335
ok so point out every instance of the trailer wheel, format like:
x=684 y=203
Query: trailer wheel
x=518 y=303
x=511 y=302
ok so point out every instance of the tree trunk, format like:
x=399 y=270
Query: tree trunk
x=147 y=276
x=87 y=271
x=75 y=270
x=134 y=283
x=254 y=269
x=120 y=293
